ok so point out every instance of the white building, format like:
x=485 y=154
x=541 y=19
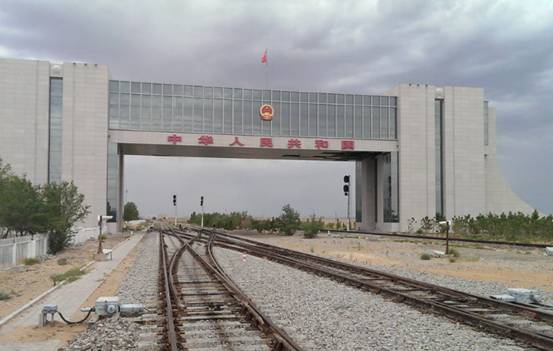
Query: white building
x=420 y=150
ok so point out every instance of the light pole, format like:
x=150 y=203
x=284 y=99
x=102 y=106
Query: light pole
x=346 y=193
x=202 y=205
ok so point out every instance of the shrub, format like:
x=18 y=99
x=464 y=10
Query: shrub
x=454 y=253
x=289 y=221
x=62 y=261
x=425 y=257
x=69 y=276
x=29 y=261
x=312 y=227
x=4 y=296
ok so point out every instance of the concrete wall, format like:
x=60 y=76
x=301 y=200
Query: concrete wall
x=85 y=127
x=24 y=95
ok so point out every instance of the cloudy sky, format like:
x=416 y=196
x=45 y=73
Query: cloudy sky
x=506 y=47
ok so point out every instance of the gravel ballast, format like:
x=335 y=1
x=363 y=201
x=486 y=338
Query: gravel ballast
x=139 y=286
x=332 y=316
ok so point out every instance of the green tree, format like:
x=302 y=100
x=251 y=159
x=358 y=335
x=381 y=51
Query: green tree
x=130 y=212
x=64 y=207
x=312 y=226
x=289 y=221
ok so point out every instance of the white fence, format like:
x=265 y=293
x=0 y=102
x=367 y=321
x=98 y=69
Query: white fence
x=14 y=250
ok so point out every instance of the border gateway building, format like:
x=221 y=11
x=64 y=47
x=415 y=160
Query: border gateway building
x=420 y=150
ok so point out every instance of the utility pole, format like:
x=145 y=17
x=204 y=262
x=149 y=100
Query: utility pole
x=175 y=205
x=346 y=193
x=202 y=205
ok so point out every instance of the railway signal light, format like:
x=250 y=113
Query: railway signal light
x=346 y=186
x=201 y=200
x=174 y=200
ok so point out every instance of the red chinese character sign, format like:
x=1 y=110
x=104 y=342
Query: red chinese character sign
x=266 y=112
x=348 y=145
x=321 y=144
x=294 y=143
x=265 y=142
x=205 y=140
x=174 y=139
x=236 y=142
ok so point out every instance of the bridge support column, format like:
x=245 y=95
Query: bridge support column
x=366 y=186
x=121 y=192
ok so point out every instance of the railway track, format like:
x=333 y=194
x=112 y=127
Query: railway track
x=204 y=309
x=531 y=324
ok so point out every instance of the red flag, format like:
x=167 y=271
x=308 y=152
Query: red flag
x=264 y=57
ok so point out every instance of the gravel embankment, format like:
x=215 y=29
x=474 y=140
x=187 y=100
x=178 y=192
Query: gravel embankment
x=334 y=317
x=139 y=286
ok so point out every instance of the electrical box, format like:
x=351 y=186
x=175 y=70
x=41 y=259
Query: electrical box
x=106 y=306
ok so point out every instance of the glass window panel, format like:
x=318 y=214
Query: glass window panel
x=267 y=95
x=113 y=86
x=208 y=114
x=340 y=99
x=322 y=122
x=135 y=110
x=227 y=115
x=366 y=122
x=393 y=130
x=384 y=100
x=237 y=117
x=285 y=96
x=247 y=110
x=208 y=92
x=349 y=121
x=393 y=101
x=187 y=114
x=304 y=97
x=340 y=121
x=114 y=106
x=375 y=122
x=135 y=87
x=167 y=89
x=124 y=101
x=312 y=121
x=237 y=93
x=358 y=122
x=322 y=97
x=332 y=98
x=256 y=125
x=156 y=113
x=275 y=123
x=198 y=114
x=349 y=99
x=276 y=95
x=331 y=120
x=295 y=96
x=257 y=95
x=156 y=89
x=146 y=112
x=227 y=93
x=218 y=115
x=198 y=91
x=285 y=118
x=218 y=92
x=375 y=100
x=178 y=89
x=358 y=100
x=167 y=112
x=124 y=87
x=188 y=90
x=295 y=119
x=383 y=123
x=146 y=88
x=366 y=100
x=247 y=94
x=304 y=121
x=177 y=124
x=312 y=97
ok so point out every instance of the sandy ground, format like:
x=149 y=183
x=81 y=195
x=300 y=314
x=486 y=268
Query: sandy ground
x=24 y=283
x=62 y=331
x=520 y=267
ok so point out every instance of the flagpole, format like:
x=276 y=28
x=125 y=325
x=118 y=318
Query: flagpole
x=266 y=70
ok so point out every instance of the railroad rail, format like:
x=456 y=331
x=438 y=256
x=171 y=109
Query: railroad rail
x=443 y=238
x=204 y=309
x=531 y=324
